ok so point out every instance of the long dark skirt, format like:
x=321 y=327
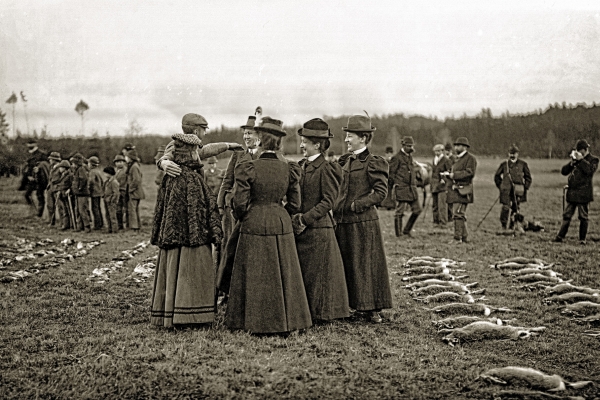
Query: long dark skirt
x=323 y=273
x=184 y=287
x=267 y=292
x=367 y=276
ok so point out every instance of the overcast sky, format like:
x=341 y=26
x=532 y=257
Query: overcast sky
x=157 y=60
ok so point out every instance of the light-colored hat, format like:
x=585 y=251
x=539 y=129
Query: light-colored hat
x=438 y=147
x=315 y=128
x=54 y=156
x=462 y=141
x=94 y=160
x=359 y=123
x=64 y=164
x=194 y=120
x=271 y=125
x=119 y=157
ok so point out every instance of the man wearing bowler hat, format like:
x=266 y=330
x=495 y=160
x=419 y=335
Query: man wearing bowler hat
x=403 y=180
x=580 y=189
x=513 y=179
x=461 y=192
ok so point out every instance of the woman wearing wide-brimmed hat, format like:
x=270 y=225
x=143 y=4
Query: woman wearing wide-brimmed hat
x=318 y=251
x=267 y=293
x=364 y=185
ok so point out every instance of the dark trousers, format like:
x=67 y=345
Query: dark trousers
x=51 y=204
x=63 y=211
x=83 y=212
x=439 y=208
x=508 y=210
x=41 y=198
x=110 y=209
x=459 y=215
x=97 y=212
x=582 y=211
x=122 y=209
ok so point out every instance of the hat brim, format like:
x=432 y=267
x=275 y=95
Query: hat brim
x=461 y=144
x=300 y=133
x=248 y=127
x=269 y=130
x=345 y=129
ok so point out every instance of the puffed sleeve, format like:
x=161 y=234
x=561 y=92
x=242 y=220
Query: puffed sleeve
x=377 y=171
x=293 y=193
x=331 y=178
x=244 y=177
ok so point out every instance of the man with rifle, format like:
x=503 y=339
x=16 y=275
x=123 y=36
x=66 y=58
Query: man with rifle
x=580 y=190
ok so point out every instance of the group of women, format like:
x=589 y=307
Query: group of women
x=306 y=245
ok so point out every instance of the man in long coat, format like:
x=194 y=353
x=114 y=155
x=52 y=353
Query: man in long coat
x=51 y=190
x=461 y=193
x=35 y=177
x=439 y=187
x=511 y=172
x=580 y=190
x=403 y=180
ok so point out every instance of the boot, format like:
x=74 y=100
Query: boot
x=465 y=233
x=564 y=229
x=458 y=229
x=410 y=223
x=398 y=225
x=583 y=228
x=504 y=216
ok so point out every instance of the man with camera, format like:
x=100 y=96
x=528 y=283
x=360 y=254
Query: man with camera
x=513 y=179
x=580 y=191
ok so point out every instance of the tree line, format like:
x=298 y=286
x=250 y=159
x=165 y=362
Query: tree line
x=542 y=134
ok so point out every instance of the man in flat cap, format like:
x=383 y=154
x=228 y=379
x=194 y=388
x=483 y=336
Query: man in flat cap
x=403 y=180
x=513 y=179
x=439 y=187
x=461 y=193
x=580 y=190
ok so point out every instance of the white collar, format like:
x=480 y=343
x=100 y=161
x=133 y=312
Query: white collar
x=357 y=152
x=461 y=154
x=313 y=157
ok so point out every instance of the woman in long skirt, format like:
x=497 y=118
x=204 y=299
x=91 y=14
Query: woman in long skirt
x=318 y=251
x=186 y=224
x=364 y=185
x=267 y=293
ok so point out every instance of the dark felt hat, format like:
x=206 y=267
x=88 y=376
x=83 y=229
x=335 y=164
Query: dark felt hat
x=271 y=125
x=389 y=149
x=55 y=155
x=463 y=141
x=513 y=149
x=582 y=144
x=119 y=157
x=109 y=170
x=250 y=123
x=448 y=146
x=192 y=120
x=408 y=140
x=133 y=154
x=315 y=128
x=359 y=123
x=159 y=152
x=128 y=146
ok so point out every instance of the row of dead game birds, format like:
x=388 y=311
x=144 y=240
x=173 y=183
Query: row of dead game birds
x=51 y=255
x=142 y=271
x=435 y=280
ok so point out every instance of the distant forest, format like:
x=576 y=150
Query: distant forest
x=543 y=134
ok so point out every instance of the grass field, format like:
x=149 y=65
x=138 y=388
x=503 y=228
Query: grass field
x=65 y=337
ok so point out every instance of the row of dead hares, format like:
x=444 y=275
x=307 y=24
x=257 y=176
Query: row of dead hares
x=580 y=302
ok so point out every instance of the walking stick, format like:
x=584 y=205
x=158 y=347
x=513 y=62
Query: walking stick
x=486 y=214
x=425 y=207
x=71 y=212
x=565 y=196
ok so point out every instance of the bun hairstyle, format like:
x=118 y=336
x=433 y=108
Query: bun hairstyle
x=269 y=141
x=323 y=142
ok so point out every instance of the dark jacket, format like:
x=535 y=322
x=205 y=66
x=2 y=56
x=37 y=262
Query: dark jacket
x=134 y=181
x=225 y=191
x=581 y=173
x=111 y=191
x=443 y=165
x=364 y=183
x=403 y=178
x=80 y=184
x=519 y=173
x=96 y=182
x=464 y=171
x=260 y=186
x=320 y=184
x=65 y=182
x=121 y=177
x=55 y=177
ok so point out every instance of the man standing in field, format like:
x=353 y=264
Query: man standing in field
x=403 y=180
x=51 y=190
x=35 y=177
x=580 y=190
x=213 y=176
x=121 y=176
x=96 y=182
x=452 y=157
x=513 y=179
x=461 y=193
x=439 y=188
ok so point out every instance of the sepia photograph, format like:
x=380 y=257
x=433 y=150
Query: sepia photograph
x=299 y=200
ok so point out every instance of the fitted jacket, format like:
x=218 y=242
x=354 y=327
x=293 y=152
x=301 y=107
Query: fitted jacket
x=259 y=189
x=320 y=183
x=443 y=165
x=96 y=182
x=364 y=183
x=225 y=191
x=464 y=171
x=134 y=182
x=403 y=178
x=519 y=174
x=580 y=174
